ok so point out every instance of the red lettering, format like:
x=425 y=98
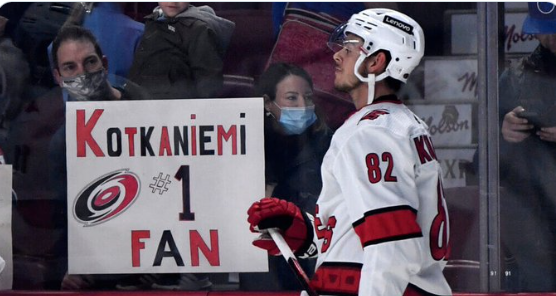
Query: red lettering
x=193 y=140
x=137 y=245
x=83 y=133
x=197 y=243
x=421 y=151
x=222 y=134
x=131 y=132
x=430 y=148
x=164 y=143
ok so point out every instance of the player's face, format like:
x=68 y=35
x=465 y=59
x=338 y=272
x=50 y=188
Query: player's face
x=171 y=9
x=76 y=57
x=548 y=41
x=345 y=59
x=292 y=91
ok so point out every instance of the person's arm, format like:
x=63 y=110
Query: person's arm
x=206 y=62
x=375 y=172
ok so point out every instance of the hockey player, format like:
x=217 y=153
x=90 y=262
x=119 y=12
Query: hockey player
x=381 y=223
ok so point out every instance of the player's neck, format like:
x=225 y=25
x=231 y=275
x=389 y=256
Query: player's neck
x=359 y=94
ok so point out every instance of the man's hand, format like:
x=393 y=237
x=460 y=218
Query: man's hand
x=514 y=128
x=272 y=212
x=547 y=134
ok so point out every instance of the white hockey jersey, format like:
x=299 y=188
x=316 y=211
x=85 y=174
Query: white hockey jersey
x=381 y=223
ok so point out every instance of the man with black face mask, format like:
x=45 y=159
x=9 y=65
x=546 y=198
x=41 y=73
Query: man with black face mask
x=81 y=71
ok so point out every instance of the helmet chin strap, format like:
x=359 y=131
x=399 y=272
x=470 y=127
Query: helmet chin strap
x=371 y=78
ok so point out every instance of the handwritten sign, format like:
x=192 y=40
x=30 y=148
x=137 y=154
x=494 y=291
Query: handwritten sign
x=6 y=276
x=164 y=186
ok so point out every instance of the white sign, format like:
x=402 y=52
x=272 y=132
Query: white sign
x=453 y=163
x=164 y=186
x=450 y=79
x=464 y=34
x=449 y=125
x=6 y=275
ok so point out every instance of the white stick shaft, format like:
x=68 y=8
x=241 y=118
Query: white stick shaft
x=281 y=243
x=292 y=261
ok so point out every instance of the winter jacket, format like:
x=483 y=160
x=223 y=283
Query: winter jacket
x=181 y=57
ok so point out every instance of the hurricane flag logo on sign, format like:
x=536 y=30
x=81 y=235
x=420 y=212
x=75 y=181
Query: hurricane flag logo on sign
x=106 y=197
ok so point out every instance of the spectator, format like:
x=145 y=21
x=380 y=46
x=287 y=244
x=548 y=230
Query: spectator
x=12 y=85
x=295 y=137
x=381 y=223
x=80 y=69
x=118 y=35
x=529 y=205
x=180 y=55
x=295 y=142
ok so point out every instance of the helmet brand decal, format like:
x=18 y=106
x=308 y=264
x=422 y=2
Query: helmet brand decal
x=398 y=24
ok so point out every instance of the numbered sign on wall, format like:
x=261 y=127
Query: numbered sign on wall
x=164 y=186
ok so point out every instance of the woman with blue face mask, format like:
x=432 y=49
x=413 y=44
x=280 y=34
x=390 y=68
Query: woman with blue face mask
x=296 y=139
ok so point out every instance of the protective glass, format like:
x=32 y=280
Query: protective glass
x=3 y=83
x=337 y=40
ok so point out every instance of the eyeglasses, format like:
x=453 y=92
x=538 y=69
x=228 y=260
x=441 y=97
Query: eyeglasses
x=348 y=45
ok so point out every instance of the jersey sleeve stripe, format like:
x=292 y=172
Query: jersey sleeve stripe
x=387 y=224
x=337 y=278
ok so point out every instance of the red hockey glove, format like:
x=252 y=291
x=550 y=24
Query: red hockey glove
x=271 y=212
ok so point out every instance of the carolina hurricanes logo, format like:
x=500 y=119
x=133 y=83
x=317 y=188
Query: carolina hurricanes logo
x=375 y=114
x=106 y=197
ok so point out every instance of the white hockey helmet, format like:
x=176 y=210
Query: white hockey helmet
x=389 y=30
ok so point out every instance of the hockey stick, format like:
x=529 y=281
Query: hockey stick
x=292 y=261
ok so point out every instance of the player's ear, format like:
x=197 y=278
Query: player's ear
x=377 y=63
x=380 y=63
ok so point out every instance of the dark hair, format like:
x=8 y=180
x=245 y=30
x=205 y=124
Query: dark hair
x=76 y=33
x=277 y=72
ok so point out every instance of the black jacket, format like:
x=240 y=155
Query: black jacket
x=180 y=57
x=293 y=162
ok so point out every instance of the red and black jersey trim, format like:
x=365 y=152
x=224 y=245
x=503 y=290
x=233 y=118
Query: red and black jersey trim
x=337 y=278
x=387 y=224
x=343 y=278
